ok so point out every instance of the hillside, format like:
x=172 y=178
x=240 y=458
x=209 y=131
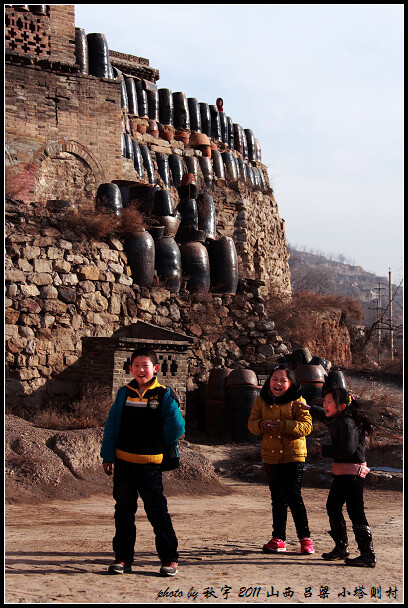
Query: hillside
x=317 y=273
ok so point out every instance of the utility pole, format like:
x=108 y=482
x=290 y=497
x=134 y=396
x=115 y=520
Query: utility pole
x=379 y=319
x=390 y=306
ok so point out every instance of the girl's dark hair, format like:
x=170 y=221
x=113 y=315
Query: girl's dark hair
x=341 y=395
x=289 y=373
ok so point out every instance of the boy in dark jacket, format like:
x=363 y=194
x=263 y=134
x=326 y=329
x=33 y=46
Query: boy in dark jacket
x=144 y=419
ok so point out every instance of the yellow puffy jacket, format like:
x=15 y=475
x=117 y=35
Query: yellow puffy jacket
x=289 y=443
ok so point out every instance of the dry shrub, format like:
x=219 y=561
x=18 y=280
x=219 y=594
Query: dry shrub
x=101 y=223
x=90 y=411
x=393 y=366
x=131 y=220
x=297 y=318
x=91 y=223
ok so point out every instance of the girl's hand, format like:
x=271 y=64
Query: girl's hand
x=317 y=448
x=270 y=425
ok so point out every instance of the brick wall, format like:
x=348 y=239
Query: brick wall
x=50 y=113
x=105 y=361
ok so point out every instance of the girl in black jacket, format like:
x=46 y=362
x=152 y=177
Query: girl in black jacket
x=348 y=429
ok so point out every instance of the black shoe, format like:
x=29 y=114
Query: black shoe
x=367 y=560
x=339 y=552
x=365 y=545
x=120 y=567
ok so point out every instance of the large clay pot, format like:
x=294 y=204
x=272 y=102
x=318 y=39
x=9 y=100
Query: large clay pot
x=320 y=361
x=335 y=378
x=257 y=179
x=141 y=99
x=98 y=53
x=238 y=138
x=242 y=377
x=137 y=158
x=140 y=251
x=244 y=145
x=250 y=143
x=81 y=51
x=176 y=168
x=216 y=417
x=192 y=165
x=231 y=169
x=148 y=164
x=206 y=215
x=132 y=96
x=108 y=196
x=195 y=116
x=223 y=265
x=240 y=401
x=38 y=9
x=181 y=113
x=166 y=107
x=301 y=356
x=195 y=266
x=205 y=119
x=250 y=175
x=224 y=127
x=171 y=223
x=218 y=164
x=129 y=147
x=124 y=103
x=168 y=263
x=230 y=137
x=241 y=169
x=258 y=152
x=311 y=392
x=187 y=208
x=153 y=104
x=310 y=374
x=215 y=123
x=163 y=168
x=162 y=203
x=207 y=170
x=188 y=187
x=216 y=388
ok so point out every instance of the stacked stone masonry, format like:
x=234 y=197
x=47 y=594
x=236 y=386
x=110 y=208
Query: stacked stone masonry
x=62 y=287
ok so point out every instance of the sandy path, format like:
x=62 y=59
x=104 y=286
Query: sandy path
x=58 y=552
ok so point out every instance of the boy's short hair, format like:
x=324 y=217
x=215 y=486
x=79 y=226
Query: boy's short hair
x=144 y=351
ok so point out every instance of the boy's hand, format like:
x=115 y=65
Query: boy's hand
x=108 y=467
x=304 y=406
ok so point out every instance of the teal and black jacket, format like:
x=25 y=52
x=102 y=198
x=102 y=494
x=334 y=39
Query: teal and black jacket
x=140 y=426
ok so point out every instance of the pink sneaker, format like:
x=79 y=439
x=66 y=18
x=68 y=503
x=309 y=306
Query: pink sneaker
x=306 y=545
x=275 y=545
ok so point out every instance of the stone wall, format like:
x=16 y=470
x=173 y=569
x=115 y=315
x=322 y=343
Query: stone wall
x=61 y=287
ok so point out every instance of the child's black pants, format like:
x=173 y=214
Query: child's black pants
x=131 y=480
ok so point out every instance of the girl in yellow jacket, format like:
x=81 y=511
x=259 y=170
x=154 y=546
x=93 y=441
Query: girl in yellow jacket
x=278 y=415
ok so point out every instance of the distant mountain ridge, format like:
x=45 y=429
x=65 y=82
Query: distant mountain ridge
x=317 y=273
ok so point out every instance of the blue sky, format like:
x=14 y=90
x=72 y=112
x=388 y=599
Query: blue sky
x=321 y=87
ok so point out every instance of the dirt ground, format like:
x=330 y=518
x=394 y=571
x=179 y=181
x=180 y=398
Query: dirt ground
x=58 y=535
x=59 y=551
